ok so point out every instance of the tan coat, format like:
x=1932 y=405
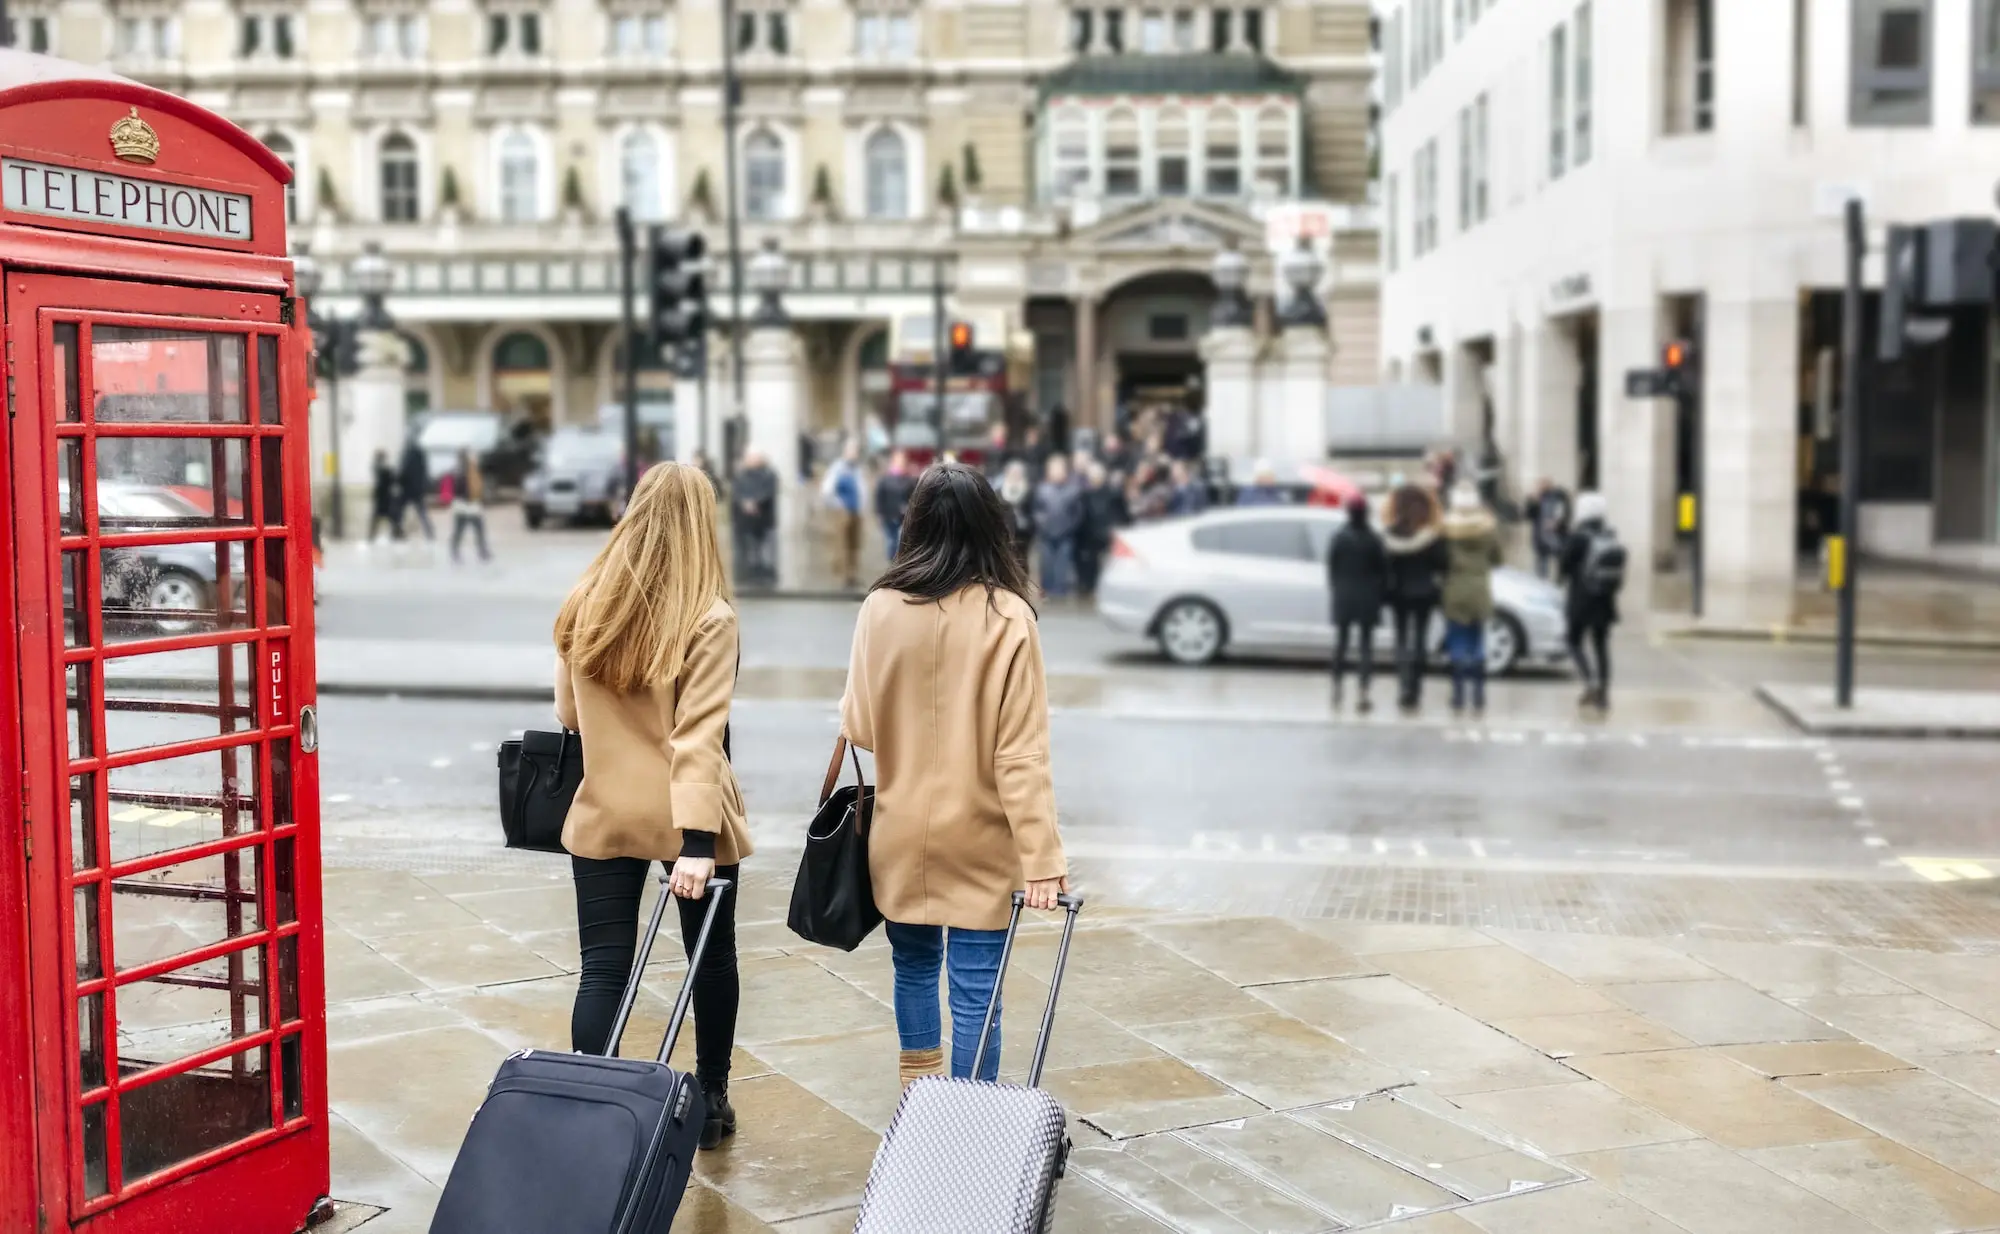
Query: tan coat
x=953 y=699
x=653 y=764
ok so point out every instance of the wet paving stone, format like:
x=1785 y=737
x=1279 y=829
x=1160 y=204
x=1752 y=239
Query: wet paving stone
x=1451 y=1155
x=1939 y=1119
x=1721 y=1012
x=1596 y=1032
x=1496 y=985
x=1560 y=1119
x=1887 y=1184
x=1814 y=1058
x=1583 y=1208
x=1706 y=1189
x=1258 y=950
x=1132 y=1099
x=1275 y=1059
x=1708 y=1092
x=1332 y=1176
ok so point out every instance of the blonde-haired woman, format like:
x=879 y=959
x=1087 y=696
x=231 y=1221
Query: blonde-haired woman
x=646 y=647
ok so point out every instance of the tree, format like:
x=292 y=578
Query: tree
x=572 y=194
x=947 y=191
x=328 y=196
x=822 y=194
x=701 y=199
x=972 y=177
x=448 y=189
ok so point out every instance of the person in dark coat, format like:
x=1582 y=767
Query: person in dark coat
x=1417 y=561
x=1591 y=605
x=892 y=500
x=383 y=503
x=753 y=519
x=1103 y=514
x=1357 y=568
x=413 y=487
x=1190 y=492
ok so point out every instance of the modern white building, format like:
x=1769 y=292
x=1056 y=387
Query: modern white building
x=1569 y=184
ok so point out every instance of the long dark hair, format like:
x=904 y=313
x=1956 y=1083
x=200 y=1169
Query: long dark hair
x=957 y=534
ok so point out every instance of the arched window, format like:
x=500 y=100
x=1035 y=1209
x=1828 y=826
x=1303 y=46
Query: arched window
x=1170 y=147
x=888 y=175
x=281 y=145
x=399 y=179
x=1223 y=151
x=639 y=174
x=520 y=179
x=1121 y=154
x=1071 y=155
x=1274 y=151
x=521 y=353
x=763 y=175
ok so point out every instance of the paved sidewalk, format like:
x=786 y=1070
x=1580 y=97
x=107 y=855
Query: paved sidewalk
x=1888 y=713
x=1235 y=1074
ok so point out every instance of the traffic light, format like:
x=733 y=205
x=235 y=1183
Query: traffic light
x=1902 y=288
x=677 y=287
x=963 y=362
x=1677 y=362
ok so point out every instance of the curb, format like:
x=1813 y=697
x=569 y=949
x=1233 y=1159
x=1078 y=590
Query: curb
x=370 y=689
x=1877 y=728
x=1794 y=634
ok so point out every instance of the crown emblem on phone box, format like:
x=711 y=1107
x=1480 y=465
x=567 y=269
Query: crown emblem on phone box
x=133 y=140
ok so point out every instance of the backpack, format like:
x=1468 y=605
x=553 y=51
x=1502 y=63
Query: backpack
x=1603 y=571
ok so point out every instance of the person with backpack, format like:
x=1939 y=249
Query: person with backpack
x=1417 y=561
x=841 y=491
x=1357 y=567
x=1472 y=548
x=1593 y=569
x=1548 y=525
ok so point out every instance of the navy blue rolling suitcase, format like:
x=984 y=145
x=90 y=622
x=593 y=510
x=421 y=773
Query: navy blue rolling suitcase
x=578 y=1144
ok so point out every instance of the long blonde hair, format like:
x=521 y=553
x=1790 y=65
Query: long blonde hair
x=628 y=621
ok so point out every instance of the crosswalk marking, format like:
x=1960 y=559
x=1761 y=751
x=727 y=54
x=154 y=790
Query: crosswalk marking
x=152 y=817
x=1950 y=869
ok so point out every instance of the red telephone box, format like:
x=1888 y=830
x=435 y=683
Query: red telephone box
x=162 y=1027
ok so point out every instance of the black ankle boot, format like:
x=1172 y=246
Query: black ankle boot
x=721 y=1121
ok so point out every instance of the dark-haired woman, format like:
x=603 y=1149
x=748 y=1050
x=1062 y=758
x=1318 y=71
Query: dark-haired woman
x=947 y=688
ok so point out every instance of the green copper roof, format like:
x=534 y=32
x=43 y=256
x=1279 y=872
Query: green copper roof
x=1188 y=74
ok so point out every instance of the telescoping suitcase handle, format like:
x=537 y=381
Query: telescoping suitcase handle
x=716 y=888
x=1071 y=906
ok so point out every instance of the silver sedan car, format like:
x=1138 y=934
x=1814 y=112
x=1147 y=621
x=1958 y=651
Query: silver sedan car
x=1255 y=580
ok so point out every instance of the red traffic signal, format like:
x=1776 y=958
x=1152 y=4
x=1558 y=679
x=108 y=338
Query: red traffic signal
x=961 y=336
x=1678 y=356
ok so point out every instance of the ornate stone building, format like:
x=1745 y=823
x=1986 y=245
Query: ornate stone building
x=1070 y=167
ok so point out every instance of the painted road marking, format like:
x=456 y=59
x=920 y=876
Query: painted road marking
x=1950 y=869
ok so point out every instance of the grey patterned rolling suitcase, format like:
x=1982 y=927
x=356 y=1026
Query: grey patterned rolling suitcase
x=969 y=1157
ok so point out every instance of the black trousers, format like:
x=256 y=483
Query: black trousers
x=1089 y=567
x=1364 y=633
x=607 y=922
x=1413 y=629
x=1599 y=634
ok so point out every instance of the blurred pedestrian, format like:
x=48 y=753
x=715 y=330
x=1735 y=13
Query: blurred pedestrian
x=706 y=466
x=1357 y=568
x=468 y=505
x=1017 y=492
x=998 y=454
x=1548 y=525
x=753 y=518
x=413 y=487
x=383 y=502
x=1149 y=493
x=1186 y=436
x=1103 y=514
x=841 y=491
x=1417 y=560
x=892 y=500
x=1263 y=488
x=1444 y=469
x=947 y=687
x=1034 y=452
x=1116 y=455
x=646 y=651
x=1472 y=544
x=1190 y=491
x=1058 y=522
x=1593 y=568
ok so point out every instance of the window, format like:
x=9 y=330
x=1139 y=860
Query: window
x=1223 y=152
x=763 y=175
x=777 y=32
x=1391 y=222
x=1465 y=169
x=1184 y=30
x=1114 y=29
x=885 y=37
x=1283 y=540
x=1558 y=102
x=887 y=175
x=1274 y=151
x=1424 y=187
x=1802 y=63
x=1167 y=328
x=1690 y=90
x=1481 y=160
x=1892 y=62
x=1080 y=30
x=639 y=36
x=514 y=32
x=395 y=36
x=1253 y=29
x=1580 y=117
x=1070 y=164
x=1986 y=62
x=520 y=179
x=639 y=175
x=149 y=38
x=40 y=33
x=399 y=179
x=281 y=145
x=1152 y=32
x=1218 y=29
x=1121 y=154
x=266 y=35
x=1392 y=60
x=1170 y=144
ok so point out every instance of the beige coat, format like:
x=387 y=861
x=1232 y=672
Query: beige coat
x=653 y=764
x=953 y=699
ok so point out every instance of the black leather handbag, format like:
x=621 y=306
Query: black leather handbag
x=833 y=898
x=539 y=775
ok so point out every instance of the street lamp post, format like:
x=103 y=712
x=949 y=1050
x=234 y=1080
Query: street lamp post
x=1231 y=273
x=732 y=98
x=337 y=341
x=1301 y=270
x=769 y=275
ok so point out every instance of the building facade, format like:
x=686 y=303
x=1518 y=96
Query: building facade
x=1570 y=184
x=1068 y=169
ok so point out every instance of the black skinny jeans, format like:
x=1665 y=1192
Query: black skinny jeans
x=607 y=921
x=1600 y=643
x=1413 y=631
x=1362 y=632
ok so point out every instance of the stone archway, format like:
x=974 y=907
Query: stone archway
x=1148 y=335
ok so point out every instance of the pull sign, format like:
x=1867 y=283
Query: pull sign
x=275 y=684
x=308 y=729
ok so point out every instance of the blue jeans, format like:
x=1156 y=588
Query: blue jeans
x=892 y=536
x=1465 y=647
x=972 y=959
x=1058 y=565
